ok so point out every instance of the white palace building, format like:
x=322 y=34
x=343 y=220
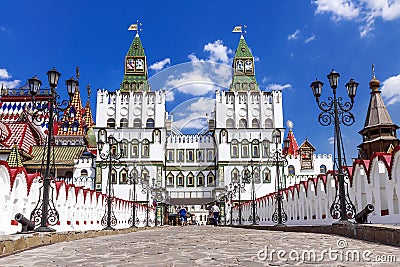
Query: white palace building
x=195 y=169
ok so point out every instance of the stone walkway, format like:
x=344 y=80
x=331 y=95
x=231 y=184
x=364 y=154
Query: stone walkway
x=209 y=246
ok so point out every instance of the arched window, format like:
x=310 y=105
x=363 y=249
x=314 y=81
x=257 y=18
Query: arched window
x=190 y=179
x=268 y=123
x=235 y=175
x=135 y=148
x=245 y=148
x=110 y=123
x=230 y=123
x=242 y=123
x=266 y=176
x=123 y=176
x=123 y=123
x=170 y=179
x=211 y=179
x=291 y=170
x=137 y=123
x=255 y=149
x=200 y=179
x=179 y=179
x=150 y=123
x=84 y=172
x=265 y=148
x=113 y=176
x=255 y=123
x=145 y=148
x=234 y=149
x=322 y=169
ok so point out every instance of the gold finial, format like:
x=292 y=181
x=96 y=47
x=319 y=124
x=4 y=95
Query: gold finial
x=373 y=71
x=77 y=73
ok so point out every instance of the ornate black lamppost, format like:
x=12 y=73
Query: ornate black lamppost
x=109 y=159
x=148 y=189
x=238 y=187
x=336 y=112
x=133 y=179
x=228 y=195
x=278 y=158
x=251 y=175
x=45 y=212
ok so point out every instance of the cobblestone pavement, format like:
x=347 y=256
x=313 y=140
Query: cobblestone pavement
x=208 y=246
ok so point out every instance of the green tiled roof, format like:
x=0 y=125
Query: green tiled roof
x=243 y=49
x=243 y=52
x=136 y=48
x=63 y=155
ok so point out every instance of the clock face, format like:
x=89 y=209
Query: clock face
x=239 y=65
x=130 y=64
x=139 y=64
x=248 y=66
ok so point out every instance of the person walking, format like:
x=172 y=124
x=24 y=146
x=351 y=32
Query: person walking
x=215 y=210
x=182 y=215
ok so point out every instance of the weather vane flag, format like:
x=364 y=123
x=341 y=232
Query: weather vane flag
x=135 y=27
x=239 y=28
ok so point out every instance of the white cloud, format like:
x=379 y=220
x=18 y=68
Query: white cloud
x=340 y=9
x=390 y=90
x=218 y=51
x=202 y=76
x=10 y=84
x=294 y=35
x=169 y=96
x=331 y=140
x=279 y=87
x=309 y=39
x=256 y=59
x=160 y=64
x=4 y=74
x=193 y=113
x=362 y=11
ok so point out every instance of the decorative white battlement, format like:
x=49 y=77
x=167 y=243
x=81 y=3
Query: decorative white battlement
x=189 y=138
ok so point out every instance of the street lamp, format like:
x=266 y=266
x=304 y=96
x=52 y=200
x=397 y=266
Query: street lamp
x=147 y=189
x=336 y=112
x=45 y=212
x=278 y=159
x=238 y=187
x=133 y=179
x=109 y=159
x=229 y=194
x=251 y=176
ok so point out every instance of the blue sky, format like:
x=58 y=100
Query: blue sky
x=293 y=42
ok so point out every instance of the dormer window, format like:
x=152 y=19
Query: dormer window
x=72 y=112
x=65 y=126
x=75 y=126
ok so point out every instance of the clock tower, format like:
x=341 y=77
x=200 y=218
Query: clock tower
x=135 y=69
x=243 y=69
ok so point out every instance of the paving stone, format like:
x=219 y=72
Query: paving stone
x=200 y=246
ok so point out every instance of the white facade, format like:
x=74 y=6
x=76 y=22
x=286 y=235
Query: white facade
x=193 y=169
